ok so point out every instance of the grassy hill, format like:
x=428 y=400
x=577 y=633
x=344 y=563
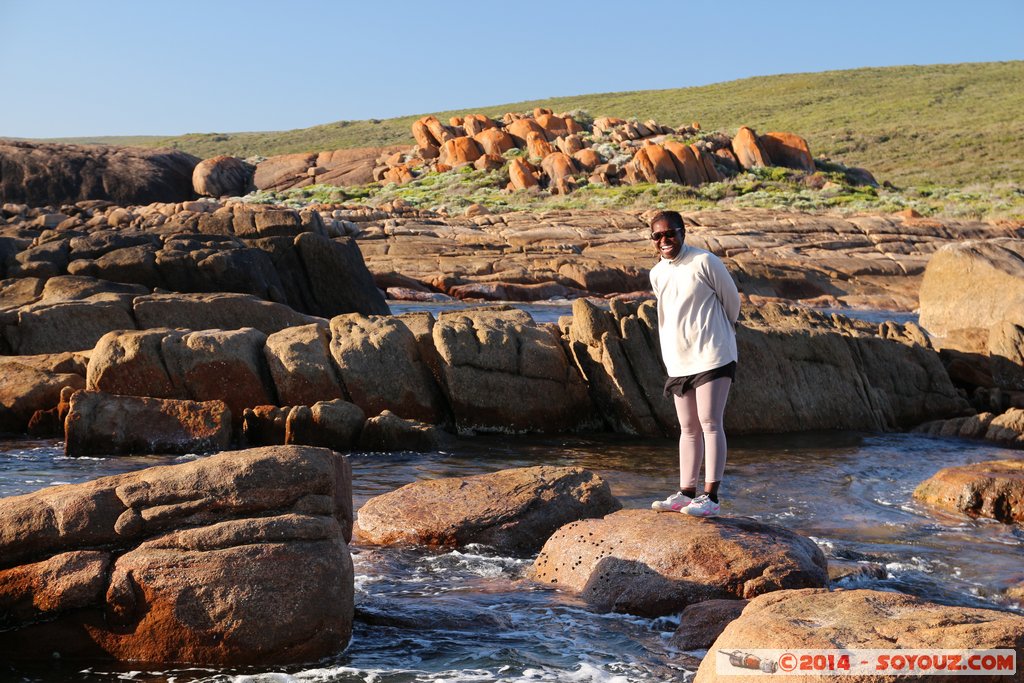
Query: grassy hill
x=952 y=125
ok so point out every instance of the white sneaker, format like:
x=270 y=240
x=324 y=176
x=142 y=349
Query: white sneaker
x=702 y=506
x=674 y=503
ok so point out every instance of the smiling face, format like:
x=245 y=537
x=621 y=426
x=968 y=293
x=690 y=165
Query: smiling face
x=668 y=242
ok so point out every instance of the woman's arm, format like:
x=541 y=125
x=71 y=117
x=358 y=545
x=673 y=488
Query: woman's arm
x=725 y=288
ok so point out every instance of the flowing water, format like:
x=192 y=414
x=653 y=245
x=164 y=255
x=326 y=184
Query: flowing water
x=550 y=311
x=469 y=615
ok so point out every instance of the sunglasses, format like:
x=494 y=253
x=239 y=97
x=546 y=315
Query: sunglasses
x=658 y=236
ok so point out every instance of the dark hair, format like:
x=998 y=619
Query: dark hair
x=674 y=220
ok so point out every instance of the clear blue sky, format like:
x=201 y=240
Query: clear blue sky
x=76 y=68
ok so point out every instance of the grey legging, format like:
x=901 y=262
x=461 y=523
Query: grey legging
x=702 y=436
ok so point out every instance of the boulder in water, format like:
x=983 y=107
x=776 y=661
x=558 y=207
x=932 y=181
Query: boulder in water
x=650 y=564
x=511 y=510
x=106 y=424
x=992 y=489
x=236 y=559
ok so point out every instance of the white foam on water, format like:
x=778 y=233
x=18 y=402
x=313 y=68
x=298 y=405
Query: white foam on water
x=584 y=673
x=79 y=458
x=823 y=543
x=484 y=566
x=915 y=564
x=268 y=678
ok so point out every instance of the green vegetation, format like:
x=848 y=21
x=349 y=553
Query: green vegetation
x=951 y=125
x=949 y=139
x=773 y=188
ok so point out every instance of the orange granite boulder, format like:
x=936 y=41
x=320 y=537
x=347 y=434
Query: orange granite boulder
x=748 y=149
x=788 y=149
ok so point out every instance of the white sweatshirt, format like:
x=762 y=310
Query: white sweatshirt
x=697 y=309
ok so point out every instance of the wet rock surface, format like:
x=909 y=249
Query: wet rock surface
x=238 y=558
x=511 y=510
x=702 y=622
x=992 y=489
x=104 y=424
x=651 y=564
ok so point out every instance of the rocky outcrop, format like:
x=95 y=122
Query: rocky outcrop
x=513 y=511
x=111 y=255
x=970 y=287
x=389 y=432
x=649 y=563
x=29 y=384
x=875 y=382
x=381 y=366
x=40 y=174
x=236 y=559
x=340 y=426
x=617 y=151
x=972 y=298
x=299 y=359
x=787 y=149
x=334 y=424
x=208 y=365
x=496 y=370
x=221 y=311
x=341 y=167
x=56 y=326
x=748 y=149
x=500 y=372
x=787 y=358
x=225 y=365
x=1006 y=354
x=106 y=424
x=858 y=620
x=860 y=261
x=602 y=368
x=993 y=489
x=459 y=151
x=1006 y=429
x=47 y=328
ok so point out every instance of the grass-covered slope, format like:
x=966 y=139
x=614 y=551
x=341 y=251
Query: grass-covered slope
x=952 y=125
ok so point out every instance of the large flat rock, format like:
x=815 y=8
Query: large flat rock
x=651 y=564
x=511 y=510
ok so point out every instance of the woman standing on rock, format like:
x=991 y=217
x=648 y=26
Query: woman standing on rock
x=697 y=309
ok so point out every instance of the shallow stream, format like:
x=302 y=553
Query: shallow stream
x=468 y=615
